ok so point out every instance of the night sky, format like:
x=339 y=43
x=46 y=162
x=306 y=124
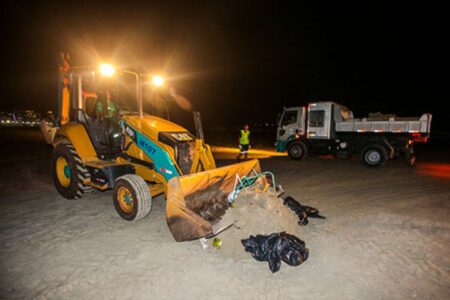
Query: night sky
x=239 y=61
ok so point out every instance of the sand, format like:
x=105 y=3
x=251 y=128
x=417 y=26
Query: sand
x=386 y=236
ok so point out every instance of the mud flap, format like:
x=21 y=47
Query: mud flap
x=195 y=202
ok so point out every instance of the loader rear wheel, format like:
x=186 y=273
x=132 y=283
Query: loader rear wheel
x=374 y=156
x=131 y=197
x=297 y=150
x=69 y=173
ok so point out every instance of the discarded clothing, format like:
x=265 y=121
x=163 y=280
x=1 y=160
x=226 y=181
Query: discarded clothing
x=302 y=211
x=275 y=248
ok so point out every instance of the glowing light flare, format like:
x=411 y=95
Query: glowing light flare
x=107 y=70
x=327 y=156
x=229 y=152
x=158 y=80
x=440 y=170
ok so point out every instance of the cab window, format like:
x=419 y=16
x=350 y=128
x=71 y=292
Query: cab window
x=289 y=117
x=316 y=118
x=345 y=114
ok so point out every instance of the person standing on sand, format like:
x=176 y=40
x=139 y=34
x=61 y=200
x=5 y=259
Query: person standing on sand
x=244 y=143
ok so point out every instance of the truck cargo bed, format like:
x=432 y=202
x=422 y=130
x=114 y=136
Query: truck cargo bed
x=392 y=124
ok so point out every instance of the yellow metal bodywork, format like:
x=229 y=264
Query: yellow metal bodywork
x=149 y=126
x=202 y=158
x=76 y=134
x=65 y=105
x=152 y=125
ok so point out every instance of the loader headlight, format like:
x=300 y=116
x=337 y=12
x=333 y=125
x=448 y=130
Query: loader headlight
x=107 y=70
x=157 y=80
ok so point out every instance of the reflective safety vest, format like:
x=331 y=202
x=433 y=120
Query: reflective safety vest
x=244 y=140
x=111 y=108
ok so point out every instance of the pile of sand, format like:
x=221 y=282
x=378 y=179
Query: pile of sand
x=252 y=213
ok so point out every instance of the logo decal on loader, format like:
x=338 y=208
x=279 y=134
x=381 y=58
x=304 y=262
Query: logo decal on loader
x=130 y=132
x=160 y=158
x=147 y=147
x=181 y=137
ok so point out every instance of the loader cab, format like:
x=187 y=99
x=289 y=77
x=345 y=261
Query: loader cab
x=95 y=106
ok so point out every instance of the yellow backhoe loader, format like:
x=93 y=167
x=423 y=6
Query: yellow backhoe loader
x=104 y=140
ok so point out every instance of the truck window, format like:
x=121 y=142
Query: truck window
x=345 y=114
x=316 y=118
x=289 y=117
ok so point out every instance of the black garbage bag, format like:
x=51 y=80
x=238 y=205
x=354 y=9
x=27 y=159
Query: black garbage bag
x=302 y=211
x=275 y=248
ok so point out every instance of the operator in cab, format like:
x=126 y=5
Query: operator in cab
x=244 y=143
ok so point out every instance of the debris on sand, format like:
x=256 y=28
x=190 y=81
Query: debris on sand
x=302 y=211
x=252 y=213
x=275 y=248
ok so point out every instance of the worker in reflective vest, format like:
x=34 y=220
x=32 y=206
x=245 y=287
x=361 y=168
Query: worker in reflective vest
x=244 y=143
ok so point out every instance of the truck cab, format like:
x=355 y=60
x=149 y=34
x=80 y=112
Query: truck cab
x=330 y=128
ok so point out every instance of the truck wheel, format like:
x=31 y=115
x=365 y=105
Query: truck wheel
x=131 y=197
x=374 y=156
x=69 y=173
x=297 y=150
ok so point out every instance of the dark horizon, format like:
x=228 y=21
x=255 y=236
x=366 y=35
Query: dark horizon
x=238 y=62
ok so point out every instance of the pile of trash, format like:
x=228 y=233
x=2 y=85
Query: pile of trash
x=302 y=211
x=251 y=213
x=266 y=224
x=275 y=248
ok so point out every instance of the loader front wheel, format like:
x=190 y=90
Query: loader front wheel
x=297 y=150
x=131 y=197
x=69 y=173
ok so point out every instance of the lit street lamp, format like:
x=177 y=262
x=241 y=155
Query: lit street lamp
x=157 y=80
x=107 y=70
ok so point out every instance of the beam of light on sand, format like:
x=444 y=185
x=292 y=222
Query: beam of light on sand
x=252 y=153
x=434 y=169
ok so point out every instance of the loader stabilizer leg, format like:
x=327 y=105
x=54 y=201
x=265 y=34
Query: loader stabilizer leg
x=195 y=202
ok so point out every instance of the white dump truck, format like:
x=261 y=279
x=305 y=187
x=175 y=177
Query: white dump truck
x=325 y=128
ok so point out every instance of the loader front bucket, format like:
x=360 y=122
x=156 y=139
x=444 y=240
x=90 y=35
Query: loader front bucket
x=196 y=201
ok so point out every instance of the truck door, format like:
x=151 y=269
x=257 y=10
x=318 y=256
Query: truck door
x=291 y=122
x=319 y=120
